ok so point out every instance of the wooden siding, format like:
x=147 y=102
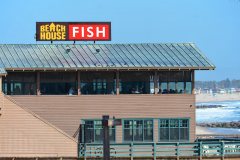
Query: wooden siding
x=24 y=134
x=65 y=112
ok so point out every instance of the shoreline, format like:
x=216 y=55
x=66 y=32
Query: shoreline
x=202 y=98
x=216 y=131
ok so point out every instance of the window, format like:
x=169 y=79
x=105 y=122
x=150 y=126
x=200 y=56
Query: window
x=172 y=82
x=136 y=83
x=19 y=83
x=138 y=130
x=173 y=130
x=98 y=83
x=93 y=132
x=58 y=83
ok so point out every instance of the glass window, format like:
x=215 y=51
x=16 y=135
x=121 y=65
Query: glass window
x=172 y=87
x=20 y=83
x=172 y=82
x=180 y=87
x=136 y=83
x=58 y=83
x=173 y=130
x=93 y=132
x=138 y=130
x=188 y=87
x=98 y=83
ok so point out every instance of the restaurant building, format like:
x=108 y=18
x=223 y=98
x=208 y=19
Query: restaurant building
x=54 y=95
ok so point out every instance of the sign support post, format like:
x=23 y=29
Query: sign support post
x=106 y=141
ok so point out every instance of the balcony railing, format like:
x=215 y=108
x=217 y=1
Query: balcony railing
x=160 y=150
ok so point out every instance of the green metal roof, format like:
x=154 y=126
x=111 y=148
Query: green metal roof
x=102 y=56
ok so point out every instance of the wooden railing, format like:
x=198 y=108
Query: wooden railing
x=155 y=150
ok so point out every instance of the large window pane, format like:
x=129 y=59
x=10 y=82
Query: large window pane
x=180 y=87
x=128 y=130
x=94 y=132
x=138 y=130
x=89 y=131
x=188 y=87
x=173 y=130
x=98 y=83
x=148 y=130
x=136 y=83
x=184 y=130
x=172 y=82
x=164 y=88
x=58 y=83
x=20 y=83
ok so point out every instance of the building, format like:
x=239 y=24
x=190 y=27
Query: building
x=48 y=90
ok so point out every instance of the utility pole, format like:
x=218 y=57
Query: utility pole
x=106 y=141
x=106 y=123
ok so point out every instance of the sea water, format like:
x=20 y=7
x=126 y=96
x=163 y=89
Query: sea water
x=229 y=113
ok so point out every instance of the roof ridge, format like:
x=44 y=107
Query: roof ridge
x=40 y=118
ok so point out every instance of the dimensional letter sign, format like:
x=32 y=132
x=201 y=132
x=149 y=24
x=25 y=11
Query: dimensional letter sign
x=73 y=31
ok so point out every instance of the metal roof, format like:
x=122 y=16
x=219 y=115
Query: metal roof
x=102 y=56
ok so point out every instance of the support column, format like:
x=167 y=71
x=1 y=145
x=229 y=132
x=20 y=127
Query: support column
x=1 y=84
x=156 y=89
x=193 y=81
x=117 y=83
x=78 y=83
x=38 y=84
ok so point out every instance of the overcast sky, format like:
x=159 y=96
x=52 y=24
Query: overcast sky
x=214 y=25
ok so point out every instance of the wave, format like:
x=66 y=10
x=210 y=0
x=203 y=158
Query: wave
x=230 y=112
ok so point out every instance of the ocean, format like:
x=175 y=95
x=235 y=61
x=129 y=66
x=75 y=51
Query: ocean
x=230 y=112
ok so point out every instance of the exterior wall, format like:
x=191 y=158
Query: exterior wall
x=65 y=112
x=24 y=134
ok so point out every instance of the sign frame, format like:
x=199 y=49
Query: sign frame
x=38 y=24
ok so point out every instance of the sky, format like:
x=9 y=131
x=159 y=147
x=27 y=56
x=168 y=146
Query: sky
x=213 y=25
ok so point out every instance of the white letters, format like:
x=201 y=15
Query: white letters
x=89 y=30
x=75 y=30
x=98 y=31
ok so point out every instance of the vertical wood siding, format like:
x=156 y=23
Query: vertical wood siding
x=65 y=112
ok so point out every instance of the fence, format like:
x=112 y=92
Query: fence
x=155 y=150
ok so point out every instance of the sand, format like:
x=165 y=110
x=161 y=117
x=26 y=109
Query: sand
x=203 y=130
x=217 y=97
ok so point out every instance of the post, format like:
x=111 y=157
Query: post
x=1 y=84
x=131 y=149
x=177 y=145
x=106 y=140
x=117 y=83
x=200 y=150
x=222 y=150
x=154 y=151
x=78 y=83
x=193 y=81
x=38 y=84
x=156 y=89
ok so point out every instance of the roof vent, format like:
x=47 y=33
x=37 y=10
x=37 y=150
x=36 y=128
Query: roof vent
x=97 y=50
x=68 y=49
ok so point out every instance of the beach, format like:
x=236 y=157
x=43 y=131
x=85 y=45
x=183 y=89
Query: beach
x=217 y=97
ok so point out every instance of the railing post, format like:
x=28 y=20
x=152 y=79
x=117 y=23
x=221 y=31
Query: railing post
x=200 y=150
x=85 y=148
x=131 y=150
x=177 y=145
x=154 y=151
x=222 y=150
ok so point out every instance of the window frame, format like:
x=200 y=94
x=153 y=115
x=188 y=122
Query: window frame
x=95 y=142
x=169 y=140
x=136 y=119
